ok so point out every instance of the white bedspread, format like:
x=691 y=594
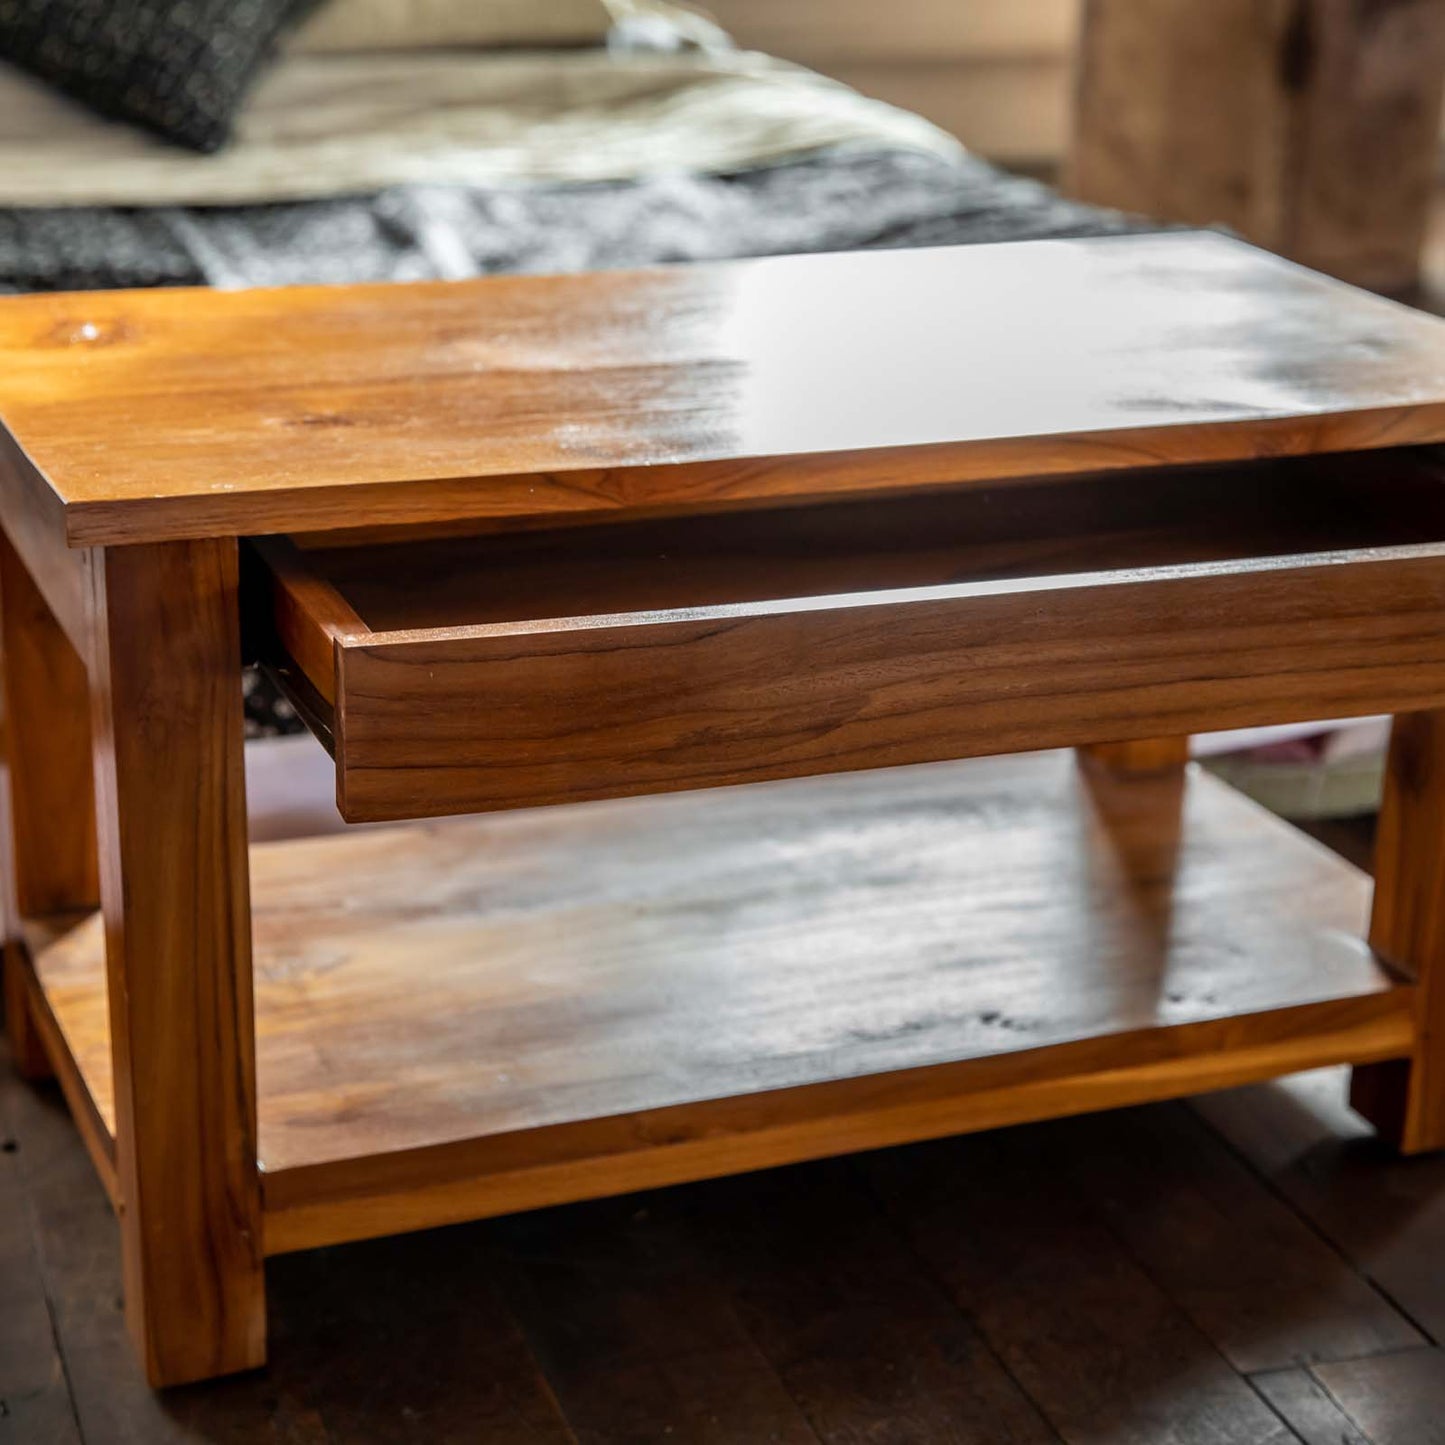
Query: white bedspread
x=327 y=125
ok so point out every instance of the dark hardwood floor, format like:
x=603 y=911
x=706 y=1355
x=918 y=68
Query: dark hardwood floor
x=1248 y=1267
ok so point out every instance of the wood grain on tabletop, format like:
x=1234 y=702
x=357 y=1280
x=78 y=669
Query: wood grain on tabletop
x=169 y=414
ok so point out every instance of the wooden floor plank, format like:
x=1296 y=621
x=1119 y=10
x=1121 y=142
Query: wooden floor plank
x=1396 y=1399
x=1254 y=1277
x=1303 y=1403
x=1099 y=1347
x=35 y=1406
x=397 y=1340
x=402 y=1339
x=772 y=1308
x=635 y=1337
x=861 y=1336
x=1384 y=1213
x=81 y=1250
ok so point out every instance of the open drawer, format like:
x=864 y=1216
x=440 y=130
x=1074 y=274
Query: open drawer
x=461 y=674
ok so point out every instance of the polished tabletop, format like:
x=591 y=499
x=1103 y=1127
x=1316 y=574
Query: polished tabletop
x=184 y=413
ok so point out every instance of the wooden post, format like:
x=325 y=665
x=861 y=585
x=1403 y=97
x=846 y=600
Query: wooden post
x=175 y=890
x=1312 y=127
x=1406 y=1100
x=49 y=806
x=1139 y=757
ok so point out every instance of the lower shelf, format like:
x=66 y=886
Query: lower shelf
x=468 y=1018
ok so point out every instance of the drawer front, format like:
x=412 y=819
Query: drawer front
x=479 y=718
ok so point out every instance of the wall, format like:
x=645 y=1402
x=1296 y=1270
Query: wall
x=994 y=72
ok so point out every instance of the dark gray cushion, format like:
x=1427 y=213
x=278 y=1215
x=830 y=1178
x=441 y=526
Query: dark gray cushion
x=178 y=67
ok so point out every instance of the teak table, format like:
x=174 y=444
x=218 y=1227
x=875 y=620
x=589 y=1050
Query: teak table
x=557 y=540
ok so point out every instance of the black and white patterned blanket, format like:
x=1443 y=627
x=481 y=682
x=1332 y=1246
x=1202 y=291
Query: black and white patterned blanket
x=838 y=201
x=830 y=202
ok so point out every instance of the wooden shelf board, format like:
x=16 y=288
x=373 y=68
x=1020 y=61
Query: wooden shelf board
x=468 y=1017
x=89 y=1098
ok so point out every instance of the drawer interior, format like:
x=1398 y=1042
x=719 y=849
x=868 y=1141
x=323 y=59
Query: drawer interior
x=473 y=673
x=1108 y=523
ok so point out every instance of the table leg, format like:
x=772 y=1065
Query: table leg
x=176 y=895
x=27 y=1052
x=49 y=838
x=1143 y=755
x=1405 y=1100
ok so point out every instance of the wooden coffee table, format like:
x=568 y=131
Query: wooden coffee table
x=559 y=540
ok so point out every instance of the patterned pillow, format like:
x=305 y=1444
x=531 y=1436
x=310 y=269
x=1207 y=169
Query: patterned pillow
x=178 y=67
